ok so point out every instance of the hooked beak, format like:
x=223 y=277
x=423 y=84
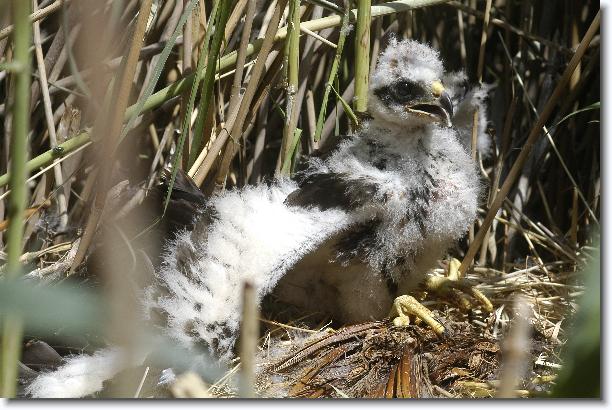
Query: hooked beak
x=439 y=110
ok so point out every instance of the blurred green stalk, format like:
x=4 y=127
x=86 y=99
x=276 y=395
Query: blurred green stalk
x=362 y=54
x=581 y=375
x=12 y=325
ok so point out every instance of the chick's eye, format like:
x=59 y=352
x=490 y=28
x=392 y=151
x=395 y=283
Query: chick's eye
x=405 y=91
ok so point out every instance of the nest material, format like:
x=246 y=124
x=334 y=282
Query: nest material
x=379 y=360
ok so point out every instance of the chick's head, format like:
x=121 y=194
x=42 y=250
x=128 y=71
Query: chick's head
x=406 y=88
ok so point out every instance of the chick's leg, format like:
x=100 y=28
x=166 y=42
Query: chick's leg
x=452 y=283
x=405 y=306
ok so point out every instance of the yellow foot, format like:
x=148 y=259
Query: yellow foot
x=405 y=306
x=453 y=282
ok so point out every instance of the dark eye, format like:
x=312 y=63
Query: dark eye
x=406 y=91
x=403 y=89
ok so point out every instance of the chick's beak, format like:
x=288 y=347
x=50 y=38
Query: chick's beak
x=440 y=109
x=446 y=104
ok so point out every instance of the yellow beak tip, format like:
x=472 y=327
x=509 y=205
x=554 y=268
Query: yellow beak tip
x=437 y=88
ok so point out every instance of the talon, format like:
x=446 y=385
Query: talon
x=453 y=272
x=478 y=295
x=454 y=281
x=401 y=321
x=405 y=306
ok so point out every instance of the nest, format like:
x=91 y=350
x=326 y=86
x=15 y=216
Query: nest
x=379 y=360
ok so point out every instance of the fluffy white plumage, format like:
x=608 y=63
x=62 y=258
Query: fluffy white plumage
x=255 y=237
x=82 y=375
x=361 y=225
x=468 y=101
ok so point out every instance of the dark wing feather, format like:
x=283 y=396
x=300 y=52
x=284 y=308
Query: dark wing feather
x=186 y=202
x=144 y=226
x=332 y=190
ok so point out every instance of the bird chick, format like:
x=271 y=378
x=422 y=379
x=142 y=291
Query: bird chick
x=360 y=226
